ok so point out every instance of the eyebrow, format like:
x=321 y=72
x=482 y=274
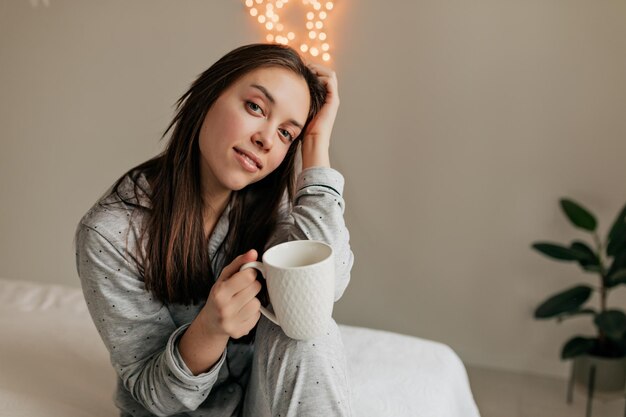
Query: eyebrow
x=271 y=99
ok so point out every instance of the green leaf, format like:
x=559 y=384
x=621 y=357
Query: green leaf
x=593 y=268
x=612 y=323
x=617 y=239
x=575 y=313
x=619 y=263
x=582 y=311
x=577 y=346
x=583 y=247
x=578 y=215
x=619 y=221
x=592 y=264
x=617 y=235
x=617 y=278
x=563 y=302
x=561 y=253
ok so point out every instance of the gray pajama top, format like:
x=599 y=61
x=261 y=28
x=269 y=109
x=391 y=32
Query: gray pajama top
x=141 y=333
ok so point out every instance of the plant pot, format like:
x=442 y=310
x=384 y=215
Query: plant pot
x=610 y=373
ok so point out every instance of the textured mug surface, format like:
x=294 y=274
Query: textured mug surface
x=300 y=279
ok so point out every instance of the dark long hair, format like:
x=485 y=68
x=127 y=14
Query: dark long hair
x=175 y=266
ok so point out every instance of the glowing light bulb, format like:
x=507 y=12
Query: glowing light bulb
x=267 y=13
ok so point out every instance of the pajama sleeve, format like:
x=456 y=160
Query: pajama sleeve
x=137 y=330
x=317 y=214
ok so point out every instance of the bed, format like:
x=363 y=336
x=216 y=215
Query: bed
x=52 y=363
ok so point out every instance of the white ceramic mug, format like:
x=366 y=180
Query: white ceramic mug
x=300 y=278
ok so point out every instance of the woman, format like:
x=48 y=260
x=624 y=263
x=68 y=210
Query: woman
x=158 y=255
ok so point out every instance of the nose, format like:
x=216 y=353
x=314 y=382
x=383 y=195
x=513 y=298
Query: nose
x=263 y=138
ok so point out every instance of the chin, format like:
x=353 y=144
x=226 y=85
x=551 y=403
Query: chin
x=237 y=184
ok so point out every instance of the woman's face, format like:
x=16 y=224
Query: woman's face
x=249 y=128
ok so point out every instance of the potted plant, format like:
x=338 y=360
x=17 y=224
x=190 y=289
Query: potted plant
x=606 y=258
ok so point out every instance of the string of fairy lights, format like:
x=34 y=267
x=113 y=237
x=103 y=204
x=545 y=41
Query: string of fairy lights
x=313 y=40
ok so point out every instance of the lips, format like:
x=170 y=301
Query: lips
x=250 y=156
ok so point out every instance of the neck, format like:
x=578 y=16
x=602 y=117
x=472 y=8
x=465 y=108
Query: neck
x=214 y=199
x=213 y=207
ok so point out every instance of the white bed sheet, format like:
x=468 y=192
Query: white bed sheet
x=52 y=363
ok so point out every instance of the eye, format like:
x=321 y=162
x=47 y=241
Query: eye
x=254 y=107
x=286 y=134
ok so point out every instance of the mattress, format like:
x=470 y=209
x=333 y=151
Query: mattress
x=53 y=363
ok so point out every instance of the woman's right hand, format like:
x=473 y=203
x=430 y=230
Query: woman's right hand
x=232 y=308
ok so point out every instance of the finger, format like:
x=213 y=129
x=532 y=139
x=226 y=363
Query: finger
x=329 y=83
x=247 y=325
x=244 y=296
x=324 y=73
x=315 y=67
x=239 y=281
x=250 y=310
x=328 y=79
x=237 y=263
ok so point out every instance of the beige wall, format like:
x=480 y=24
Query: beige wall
x=461 y=124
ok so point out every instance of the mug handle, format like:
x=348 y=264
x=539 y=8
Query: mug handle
x=260 y=267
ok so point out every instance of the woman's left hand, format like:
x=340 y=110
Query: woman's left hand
x=316 y=139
